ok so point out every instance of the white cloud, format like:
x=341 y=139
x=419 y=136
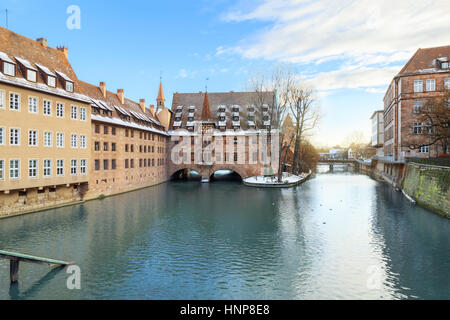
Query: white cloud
x=363 y=31
x=182 y=73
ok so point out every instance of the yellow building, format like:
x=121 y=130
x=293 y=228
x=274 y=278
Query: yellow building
x=45 y=128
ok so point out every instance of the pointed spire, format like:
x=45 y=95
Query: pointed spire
x=160 y=98
x=206 y=112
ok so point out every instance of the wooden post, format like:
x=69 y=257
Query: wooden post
x=14 y=270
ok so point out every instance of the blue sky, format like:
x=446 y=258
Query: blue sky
x=347 y=50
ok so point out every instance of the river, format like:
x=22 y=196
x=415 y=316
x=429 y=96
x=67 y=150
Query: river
x=340 y=235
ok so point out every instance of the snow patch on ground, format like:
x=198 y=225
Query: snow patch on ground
x=286 y=179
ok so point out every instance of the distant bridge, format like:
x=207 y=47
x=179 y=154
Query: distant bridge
x=334 y=162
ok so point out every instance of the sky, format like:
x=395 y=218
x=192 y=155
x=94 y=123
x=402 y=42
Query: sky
x=348 y=51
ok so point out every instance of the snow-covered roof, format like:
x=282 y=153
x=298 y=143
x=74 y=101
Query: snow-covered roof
x=129 y=124
x=26 y=63
x=62 y=75
x=45 y=70
x=5 y=57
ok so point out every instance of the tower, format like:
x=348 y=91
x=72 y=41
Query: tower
x=160 y=101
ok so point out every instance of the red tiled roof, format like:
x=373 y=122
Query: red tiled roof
x=425 y=59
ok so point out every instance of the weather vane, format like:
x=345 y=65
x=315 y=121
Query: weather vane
x=206 y=84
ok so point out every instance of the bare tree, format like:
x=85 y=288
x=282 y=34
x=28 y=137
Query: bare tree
x=432 y=126
x=306 y=116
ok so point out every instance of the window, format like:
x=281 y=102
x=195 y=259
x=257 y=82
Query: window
x=51 y=81
x=113 y=131
x=83 y=114
x=74 y=114
x=97 y=128
x=113 y=164
x=431 y=85
x=47 y=168
x=417 y=128
x=429 y=127
x=14 y=169
x=74 y=141
x=31 y=75
x=60 y=167
x=60 y=140
x=73 y=167
x=132 y=163
x=425 y=149
x=126 y=163
x=9 y=69
x=105 y=146
x=14 y=101
x=2 y=136
x=82 y=141
x=2 y=169
x=83 y=166
x=32 y=105
x=69 y=86
x=105 y=164
x=32 y=169
x=113 y=146
x=48 y=139
x=32 y=138
x=60 y=110
x=446 y=86
x=96 y=146
x=47 y=107
x=97 y=165
x=2 y=99
x=105 y=129
x=132 y=148
x=417 y=107
x=418 y=86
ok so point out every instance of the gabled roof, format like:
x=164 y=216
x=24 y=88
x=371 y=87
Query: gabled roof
x=425 y=60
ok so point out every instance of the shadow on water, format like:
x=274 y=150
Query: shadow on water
x=14 y=291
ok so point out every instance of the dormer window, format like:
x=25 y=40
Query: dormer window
x=251 y=109
x=235 y=109
x=51 y=81
x=190 y=119
x=31 y=75
x=445 y=65
x=222 y=118
x=235 y=118
x=177 y=119
x=9 y=69
x=69 y=86
x=191 y=109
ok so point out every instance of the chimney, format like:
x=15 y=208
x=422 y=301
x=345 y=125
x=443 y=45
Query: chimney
x=120 y=96
x=142 y=104
x=103 y=89
x=152 y=110
x=42 y=41
x=64 y=50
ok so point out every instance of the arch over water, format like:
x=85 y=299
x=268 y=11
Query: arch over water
x=225 y=174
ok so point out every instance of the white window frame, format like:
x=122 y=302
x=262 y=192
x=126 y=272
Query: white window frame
x=60 y=167
x=47 y=168
x=16 y=97
x=47 y=106
x=16 y=169
x=2 y=169
x=2 y=99
x=424 y=149
x=35 y=168
x=83 y=141
x=73 y=167
x=48 y=143
x=419 y=126
x=31 y=75
x=60 y=138
x=83 y=167
x=69 y=86
x=74 y=113
x=33 y=108
x=430 y=85
x=447 y=83
x=60 y=110
x=16 y=136
x=74 y=142
x=33 y=139
x=83 y=114
x=51 y=83
x=418 y=83
x=9 y=69
x=416 y=105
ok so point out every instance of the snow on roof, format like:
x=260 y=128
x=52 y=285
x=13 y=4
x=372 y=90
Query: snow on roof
x=106 y=105
x=26 y=63
x=62 y=75
x=98 y=104
x=45 y=70
x=120 y=122
x=5 y=57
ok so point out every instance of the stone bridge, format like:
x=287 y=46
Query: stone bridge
x=207 y=171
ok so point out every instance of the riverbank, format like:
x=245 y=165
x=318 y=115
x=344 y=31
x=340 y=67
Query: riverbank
x=287 y=181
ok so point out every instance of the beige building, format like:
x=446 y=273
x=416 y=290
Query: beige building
x=128 y=146
x=45 y=130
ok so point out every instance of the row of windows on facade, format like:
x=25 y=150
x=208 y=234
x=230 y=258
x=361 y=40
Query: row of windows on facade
x=47 y=169
x=419 y=128
x=9 y=69
x=430 y=85
x=129 y=133
x=217 y=157
x=129 y=163
x=128 y=148
x=14 y=104
x=222 y=108
x=33 y=138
